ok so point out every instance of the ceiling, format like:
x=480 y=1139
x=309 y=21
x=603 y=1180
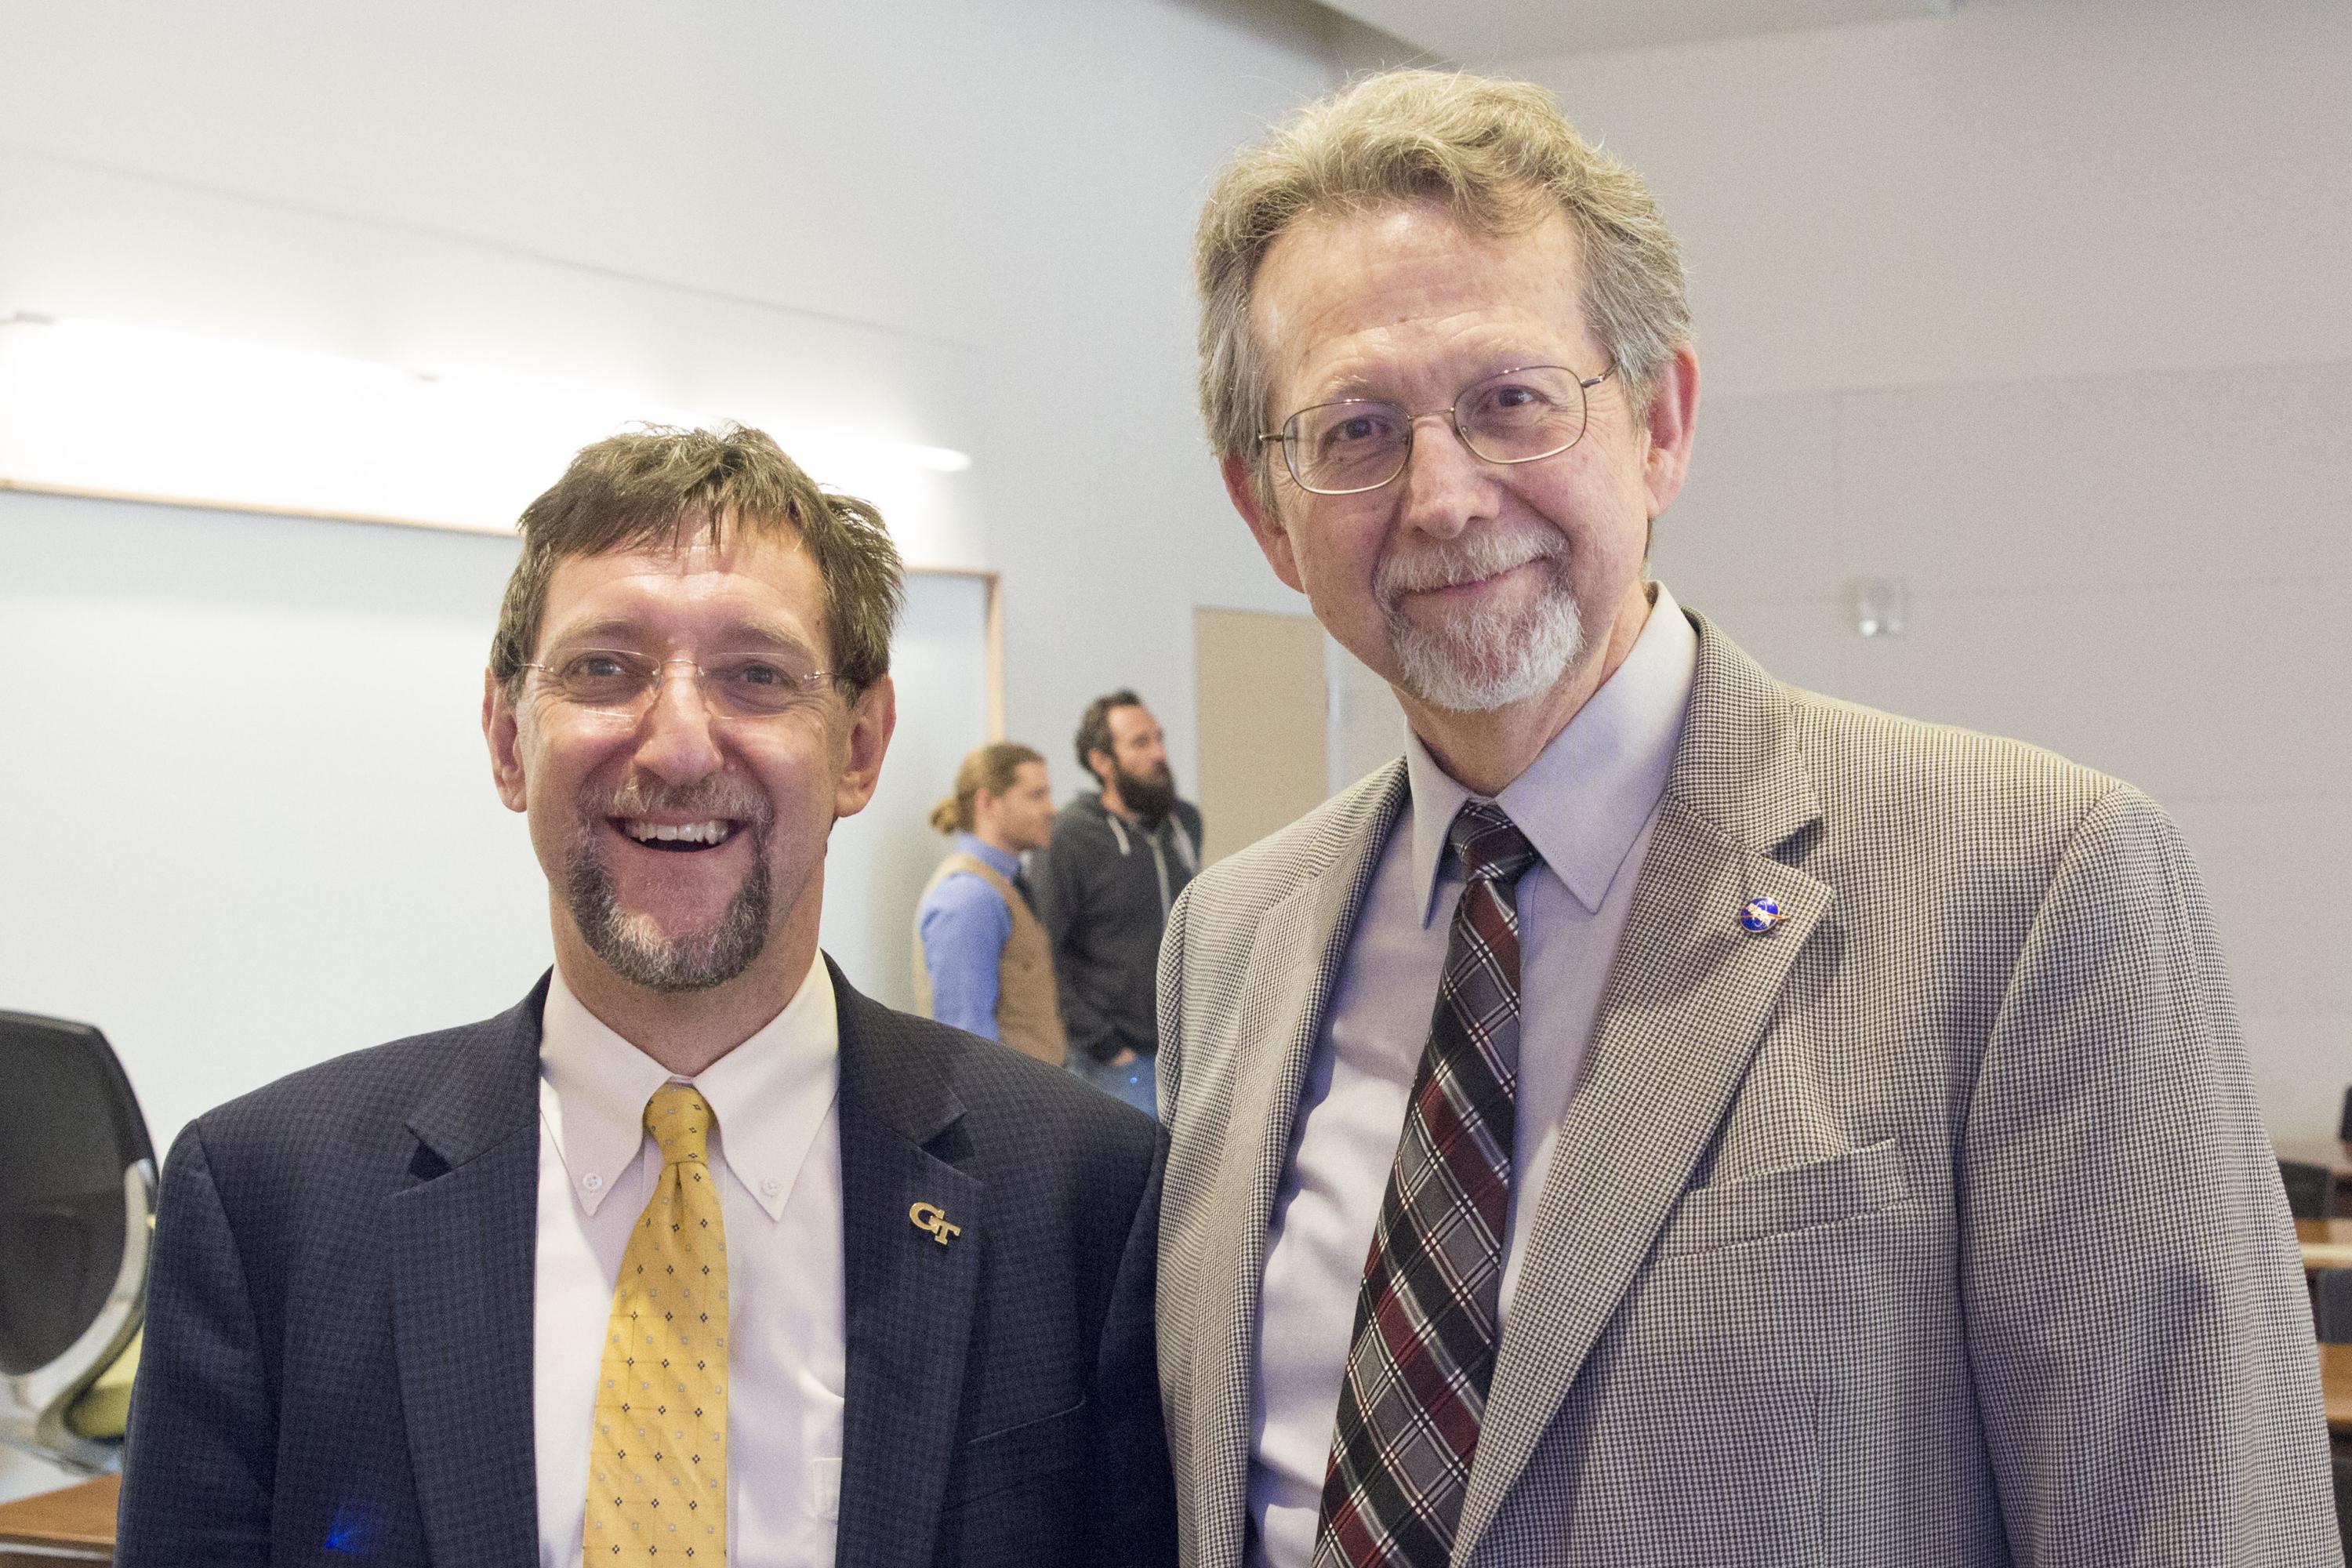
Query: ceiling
x=1486 y=32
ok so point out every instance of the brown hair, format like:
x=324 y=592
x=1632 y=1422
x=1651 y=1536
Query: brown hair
x=990 y=768
x=1094 y=727
x=1498 y=154
x=661 y=486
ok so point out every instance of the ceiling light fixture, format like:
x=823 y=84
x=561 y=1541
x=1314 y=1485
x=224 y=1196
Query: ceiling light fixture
x=93 y=407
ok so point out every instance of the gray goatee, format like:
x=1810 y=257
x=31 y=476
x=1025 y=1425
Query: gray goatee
x=630 y=945
x=1479 y=660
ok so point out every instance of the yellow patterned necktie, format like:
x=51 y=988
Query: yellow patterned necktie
x=657 y=1457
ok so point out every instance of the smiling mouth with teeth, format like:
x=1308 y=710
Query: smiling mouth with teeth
x=677 y=837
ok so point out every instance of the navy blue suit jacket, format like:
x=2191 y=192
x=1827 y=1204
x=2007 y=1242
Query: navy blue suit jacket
x=337 y=1358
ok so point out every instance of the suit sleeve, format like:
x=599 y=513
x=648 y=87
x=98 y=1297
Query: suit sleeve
x=1170 y=1063
x=200 y=1457
x=1054 y=881
x=2137 y=1333
x=1134 y=1519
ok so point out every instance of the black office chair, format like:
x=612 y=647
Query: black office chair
x=2310 y=1189
x=77 y=1207
x=2331 y=1305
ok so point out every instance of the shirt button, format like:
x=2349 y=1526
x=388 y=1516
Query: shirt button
x=592 y=1182
x=769 y=1186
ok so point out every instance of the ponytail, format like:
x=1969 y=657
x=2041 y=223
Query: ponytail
x=990 y=768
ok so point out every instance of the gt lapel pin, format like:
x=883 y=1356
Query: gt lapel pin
x=1760 y=916
x=930 y=1217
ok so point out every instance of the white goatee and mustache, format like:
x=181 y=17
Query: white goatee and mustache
x=631 y=944
x=1474 y=659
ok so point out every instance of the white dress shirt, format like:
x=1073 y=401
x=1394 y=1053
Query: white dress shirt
x=1586 y=804
x=778 y=1143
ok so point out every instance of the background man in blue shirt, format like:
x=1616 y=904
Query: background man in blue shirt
x=981 y=960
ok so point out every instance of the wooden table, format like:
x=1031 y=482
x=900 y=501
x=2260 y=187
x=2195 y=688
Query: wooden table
x=72 y=1525
x=2327 y=1242
x=2336 y=1382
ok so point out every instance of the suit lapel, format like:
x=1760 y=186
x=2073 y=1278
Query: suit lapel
x=910 y=1296
x=463 y=1239
x=1688 y=998
x=1295 y=961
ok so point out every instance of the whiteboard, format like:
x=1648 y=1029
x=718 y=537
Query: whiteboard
x=246 y=809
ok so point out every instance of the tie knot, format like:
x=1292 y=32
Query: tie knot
x=1491 y=846
x=680 y=1120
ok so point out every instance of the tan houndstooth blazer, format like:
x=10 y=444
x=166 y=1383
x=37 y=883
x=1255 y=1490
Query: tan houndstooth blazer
x=1936 y=1226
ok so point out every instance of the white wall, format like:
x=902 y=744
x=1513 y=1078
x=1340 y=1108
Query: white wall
x=958 y=222
x=2037 y=307
x=878 y=860
x=2042 y=311
x=962 y=223
x=255 y=826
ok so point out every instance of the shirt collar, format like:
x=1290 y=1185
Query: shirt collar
x=1005 y=865
x=1584 y=800
x=770 y=1094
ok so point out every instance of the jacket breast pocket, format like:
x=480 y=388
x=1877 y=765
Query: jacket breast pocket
x=1014 y=1456
x=1779 y=1203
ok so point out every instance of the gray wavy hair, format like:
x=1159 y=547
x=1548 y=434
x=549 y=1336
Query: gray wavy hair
x=1499 y=155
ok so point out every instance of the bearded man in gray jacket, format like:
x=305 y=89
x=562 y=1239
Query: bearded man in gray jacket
x=1105 y=882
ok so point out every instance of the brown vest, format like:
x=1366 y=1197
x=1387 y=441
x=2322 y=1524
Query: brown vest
x=1028 y=1014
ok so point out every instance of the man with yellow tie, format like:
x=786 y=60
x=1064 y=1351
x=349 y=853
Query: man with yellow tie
x=694 y=1255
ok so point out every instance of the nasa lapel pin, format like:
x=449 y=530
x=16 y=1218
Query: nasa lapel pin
x=930 y=1218
x=1760 y=916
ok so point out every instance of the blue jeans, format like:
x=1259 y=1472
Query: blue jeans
x=1137 y=1082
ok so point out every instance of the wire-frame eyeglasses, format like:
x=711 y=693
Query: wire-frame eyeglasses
x=1360 y=444
x=619 y=685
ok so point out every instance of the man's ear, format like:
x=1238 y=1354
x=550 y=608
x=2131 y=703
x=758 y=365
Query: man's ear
x=873 y=718
x=1672 y=418
x=499 y=728
x=1241 y=487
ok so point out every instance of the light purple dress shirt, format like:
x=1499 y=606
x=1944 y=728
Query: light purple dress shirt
x=1586 y=804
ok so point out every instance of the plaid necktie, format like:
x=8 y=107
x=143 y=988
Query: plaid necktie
x=657 y=1455
x=1427 y=1319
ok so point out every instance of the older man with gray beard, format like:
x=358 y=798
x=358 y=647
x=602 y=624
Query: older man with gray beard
x=1666 y=1117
